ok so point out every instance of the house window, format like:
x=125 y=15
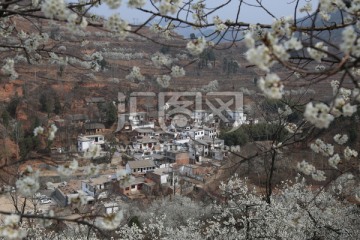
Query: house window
x=127 y=188
x=133 y=186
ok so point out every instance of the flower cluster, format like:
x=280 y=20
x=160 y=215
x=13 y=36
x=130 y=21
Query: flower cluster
x=177 y=71
x=348 y=39
x=8 y=69
x=38 y=131
x=55 y=9
x=341 y=139
x=318 y=52
x=210 y=87
x=68 y=169
x=334 y=160
x=320 y=147
x=117 y=26
x=163 y=80
x=28 y=184
x=52 y=130
x=199 y=13
x=292 y=128
x=164 y=31
x=113 y=4
x=318 y=115
x=260 y=56
x=80 y=198
x=135 y=74
x=309 y=169
x=349 y=153
x=160 y=60
x=271 y=86
x=197 y=46
x=93 y=151
x=340 y=107
x=76 y=24
x=219 y=24
x=110 y=221
x=136 y=3
x=11 y=229
x=168 y=6
x=33 y=41
x=282 y=26
x=307 y=8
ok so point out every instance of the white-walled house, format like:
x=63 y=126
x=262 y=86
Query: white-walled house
x=140 y=166
x=159 y=175
x=94 y=186
x=200 y=116
x=84 y=141
x=210 y=132
x=196 y=133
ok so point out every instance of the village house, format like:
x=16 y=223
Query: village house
x=159 y=176
x=94 y=128
x=210 y=132
x=141 y=166
x=178 y=157
x=145 y=144
x=65 y=193
x=144 y=132
x=94 y=186
x=78 y=120
x=130 y=186
x=84 y=141
x=196 y=133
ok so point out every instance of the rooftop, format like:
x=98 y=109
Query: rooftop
x=99 y=180
x=141 y=164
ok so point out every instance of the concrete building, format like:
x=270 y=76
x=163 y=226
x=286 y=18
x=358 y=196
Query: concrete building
x=141 y=166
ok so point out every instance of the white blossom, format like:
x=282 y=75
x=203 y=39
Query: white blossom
x=113 y=4
x=317 y=55
x=306 y=8
x=38 y=131
x=8 y=69
x=117 y=25
x=28 y=184
x=271 y=86
x=52 y=131
x=160 y=60
x=334 y=160
x=318 y=115
x=341 y=139
x=110 y=221
x=136 y=3
x=11 y=228
x=55 y=9
x=318 y=175
x=163 y=80
x=68 y=169
x=196 y=47
x=135 y=74
x=348 y=39
x=349 y=153
x=177 y=71
x=321 y=147
x=306 y=168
